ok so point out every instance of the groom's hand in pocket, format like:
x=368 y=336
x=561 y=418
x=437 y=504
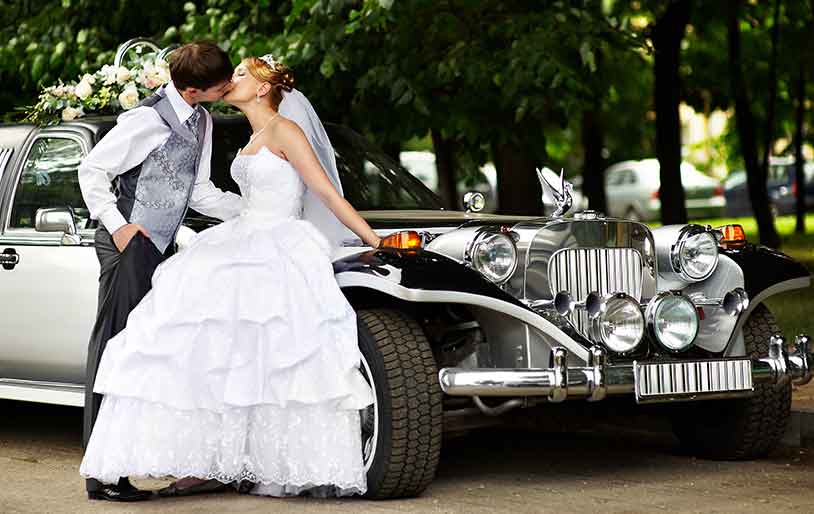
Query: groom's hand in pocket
x=122 y=237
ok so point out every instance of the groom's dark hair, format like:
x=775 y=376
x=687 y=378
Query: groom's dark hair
x=200 y=65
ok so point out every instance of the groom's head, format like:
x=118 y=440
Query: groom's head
x=201 y=71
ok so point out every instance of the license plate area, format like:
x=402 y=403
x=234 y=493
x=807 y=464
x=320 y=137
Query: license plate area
x=692 y=380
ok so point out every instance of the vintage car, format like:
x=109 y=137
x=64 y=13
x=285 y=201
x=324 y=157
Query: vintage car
x=462 y=313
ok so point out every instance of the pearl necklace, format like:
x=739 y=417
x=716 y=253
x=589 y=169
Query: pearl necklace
x=253 y=136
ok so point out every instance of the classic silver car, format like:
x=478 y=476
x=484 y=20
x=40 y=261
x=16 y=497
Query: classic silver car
x=462 y=313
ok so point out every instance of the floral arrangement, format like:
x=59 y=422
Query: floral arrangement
x=109 y=90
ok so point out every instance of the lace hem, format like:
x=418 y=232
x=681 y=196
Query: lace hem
x=288 y=449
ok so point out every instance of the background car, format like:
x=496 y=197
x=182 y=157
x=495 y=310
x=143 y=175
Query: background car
x=781 y=185
x=632 y=189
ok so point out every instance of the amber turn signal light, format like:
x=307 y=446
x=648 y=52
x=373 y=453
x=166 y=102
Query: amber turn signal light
x=404 y=240
x=732 y=237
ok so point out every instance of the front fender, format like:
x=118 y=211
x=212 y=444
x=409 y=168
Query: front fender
x=428 y=277
x=767 y=272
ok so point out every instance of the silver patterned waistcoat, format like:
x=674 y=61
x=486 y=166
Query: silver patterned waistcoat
x=156 y=193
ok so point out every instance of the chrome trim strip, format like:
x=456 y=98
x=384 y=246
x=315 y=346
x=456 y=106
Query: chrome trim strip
x=5 y=157
x=56 y=393
x=356 y=279
x=786 y=285
x=30 y=237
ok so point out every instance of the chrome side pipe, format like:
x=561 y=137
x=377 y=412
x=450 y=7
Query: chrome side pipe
x=598 y=380
x=780 y=366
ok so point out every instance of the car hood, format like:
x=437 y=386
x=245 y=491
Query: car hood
x=404 y=219
x=435 y=218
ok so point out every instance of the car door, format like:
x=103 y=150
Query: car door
x=613 y=181
x=49 y=286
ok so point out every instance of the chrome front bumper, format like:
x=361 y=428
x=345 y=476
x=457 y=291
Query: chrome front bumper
x=599 y=379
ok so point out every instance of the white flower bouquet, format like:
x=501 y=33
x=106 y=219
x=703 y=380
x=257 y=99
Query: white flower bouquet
x=108 y=91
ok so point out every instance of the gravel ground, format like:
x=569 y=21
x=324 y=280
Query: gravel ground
x=610 y=469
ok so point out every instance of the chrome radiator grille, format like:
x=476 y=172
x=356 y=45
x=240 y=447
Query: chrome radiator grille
x=605 y=270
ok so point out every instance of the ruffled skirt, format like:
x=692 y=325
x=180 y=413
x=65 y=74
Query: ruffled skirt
x=242 y=362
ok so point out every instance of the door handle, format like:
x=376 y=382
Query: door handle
x=9 y=258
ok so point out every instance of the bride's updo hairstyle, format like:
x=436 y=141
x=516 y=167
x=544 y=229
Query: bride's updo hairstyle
x=279 y=76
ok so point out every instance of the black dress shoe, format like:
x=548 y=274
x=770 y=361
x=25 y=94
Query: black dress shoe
x=114 y=493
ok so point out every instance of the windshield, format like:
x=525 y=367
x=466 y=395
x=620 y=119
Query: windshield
x=370 y=179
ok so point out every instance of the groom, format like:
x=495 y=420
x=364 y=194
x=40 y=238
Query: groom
x=138 y=181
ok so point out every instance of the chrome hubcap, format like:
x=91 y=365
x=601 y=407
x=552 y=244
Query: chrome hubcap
x=369 y=418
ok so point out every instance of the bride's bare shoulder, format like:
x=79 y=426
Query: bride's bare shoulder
x=289 y=130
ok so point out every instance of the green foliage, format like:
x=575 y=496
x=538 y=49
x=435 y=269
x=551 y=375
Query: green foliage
x=44 y=41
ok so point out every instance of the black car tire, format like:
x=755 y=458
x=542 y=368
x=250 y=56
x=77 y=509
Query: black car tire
x=410 y=414
x=739 y=429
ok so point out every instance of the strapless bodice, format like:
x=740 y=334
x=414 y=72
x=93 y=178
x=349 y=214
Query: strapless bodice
x=270 y=186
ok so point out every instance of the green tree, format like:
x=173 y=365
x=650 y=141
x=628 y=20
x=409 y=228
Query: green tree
x=44 y=41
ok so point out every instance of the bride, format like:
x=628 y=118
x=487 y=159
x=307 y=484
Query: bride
x=242 y=363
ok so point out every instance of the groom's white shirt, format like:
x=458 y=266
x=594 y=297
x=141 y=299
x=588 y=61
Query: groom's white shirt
x=137 y=133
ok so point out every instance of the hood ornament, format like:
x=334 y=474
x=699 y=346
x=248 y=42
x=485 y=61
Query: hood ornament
x=556 y=192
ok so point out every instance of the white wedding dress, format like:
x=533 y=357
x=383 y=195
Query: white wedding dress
x=242 y=363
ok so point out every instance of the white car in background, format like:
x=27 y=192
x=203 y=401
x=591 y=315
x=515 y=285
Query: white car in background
x=633 y=188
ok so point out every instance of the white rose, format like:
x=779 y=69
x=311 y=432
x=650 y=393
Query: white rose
x=70 y=113
x=109 y=73
x=90 y=79
x=128 y=98
x=83 y=89
x=123 y=75
x=163 y=75
x=58 y=91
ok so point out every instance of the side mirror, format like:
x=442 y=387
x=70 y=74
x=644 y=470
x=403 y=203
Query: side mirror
x=58 y=219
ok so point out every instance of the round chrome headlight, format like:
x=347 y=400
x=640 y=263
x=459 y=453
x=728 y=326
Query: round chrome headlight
x=494 y=255
x=695 y=254
x=672 y=321
x=616 y=321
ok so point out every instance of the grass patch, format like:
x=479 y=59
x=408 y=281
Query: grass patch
x=794 y=310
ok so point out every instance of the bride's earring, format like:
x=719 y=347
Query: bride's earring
x=258 y=98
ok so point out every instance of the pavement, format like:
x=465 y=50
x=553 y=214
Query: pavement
x=607 y=469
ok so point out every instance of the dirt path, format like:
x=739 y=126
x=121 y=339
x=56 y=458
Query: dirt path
x=610 y=470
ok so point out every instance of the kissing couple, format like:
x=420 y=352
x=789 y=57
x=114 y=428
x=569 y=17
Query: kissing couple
x=236 y=361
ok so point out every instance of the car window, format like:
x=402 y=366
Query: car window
x=780 y=174
x=615 y=177
x=370 y=179
x=735 y=179
x=49 y=179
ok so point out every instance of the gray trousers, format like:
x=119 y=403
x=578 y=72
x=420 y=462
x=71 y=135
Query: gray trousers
x=124 y=279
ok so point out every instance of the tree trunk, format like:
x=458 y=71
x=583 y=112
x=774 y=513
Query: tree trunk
x=799 y=178
x=518 y=189
x=593 y=171
x=771 y=103
x=445 y=166
x=667 y=36
x=393 y=150
x=745 y=123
